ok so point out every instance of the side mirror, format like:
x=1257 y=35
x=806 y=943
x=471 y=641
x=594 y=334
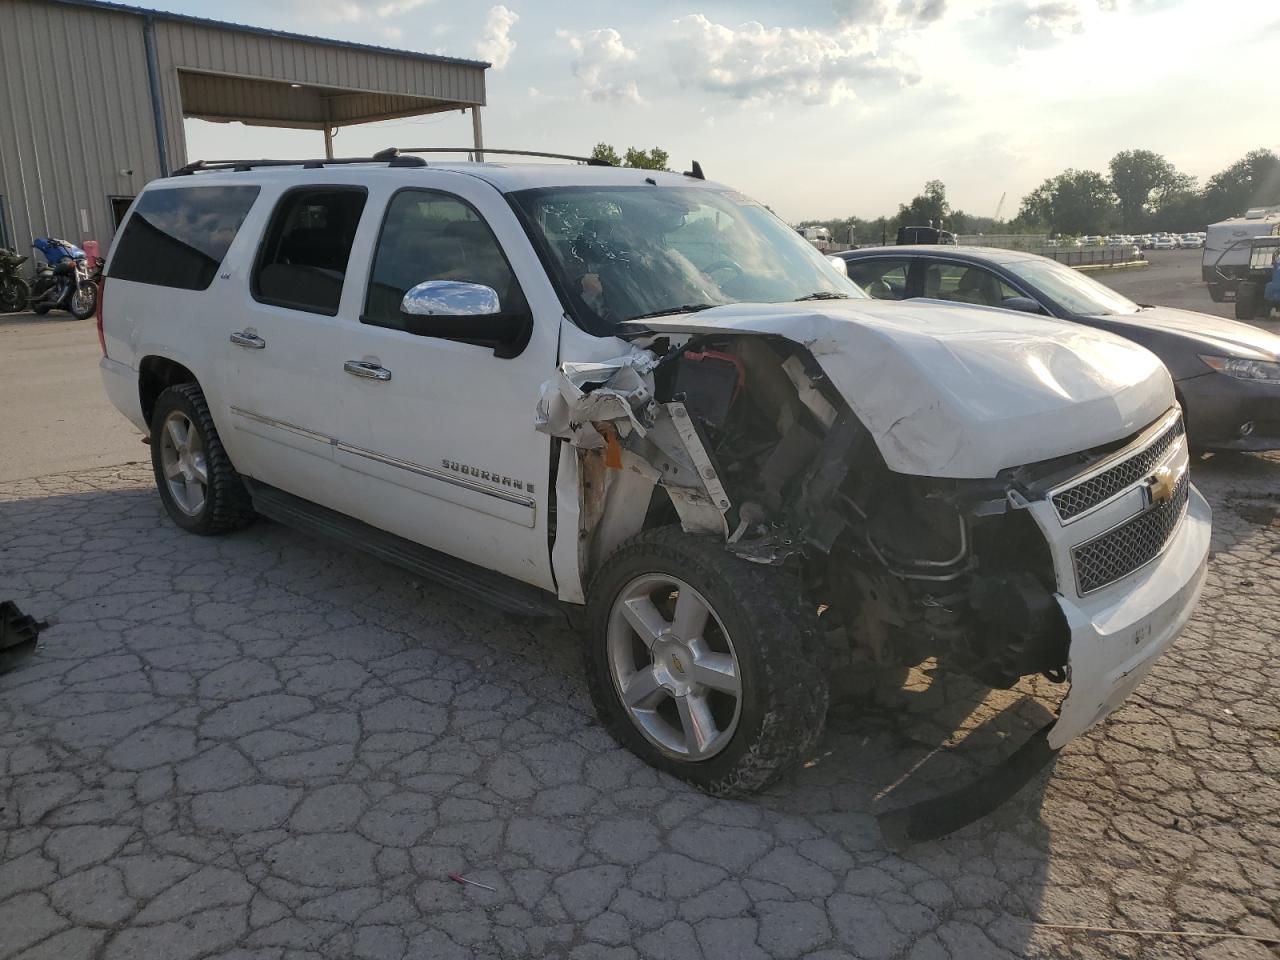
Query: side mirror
x=450 y=298
x=456 y=310
x=1022 y=304
x=839 y=264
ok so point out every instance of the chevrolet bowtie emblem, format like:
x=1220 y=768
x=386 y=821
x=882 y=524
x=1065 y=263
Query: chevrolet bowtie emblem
x=1162 y=484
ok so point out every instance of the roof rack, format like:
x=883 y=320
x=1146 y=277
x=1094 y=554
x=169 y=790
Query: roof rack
x=590 y=161
x=392 y=159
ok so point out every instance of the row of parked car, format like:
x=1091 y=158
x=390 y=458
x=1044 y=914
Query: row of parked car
x=1145 y=241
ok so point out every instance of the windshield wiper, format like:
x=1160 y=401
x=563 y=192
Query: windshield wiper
x=822 y=296
x=667 y=311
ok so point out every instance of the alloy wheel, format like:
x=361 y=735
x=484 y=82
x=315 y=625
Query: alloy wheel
x=673 y=667
x=182 y=457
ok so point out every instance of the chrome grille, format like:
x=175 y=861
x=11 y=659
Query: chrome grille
x=1087 y=494
x=1123 y=549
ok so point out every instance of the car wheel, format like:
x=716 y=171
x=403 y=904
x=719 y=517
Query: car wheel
x=201 y=490
x=702 y=664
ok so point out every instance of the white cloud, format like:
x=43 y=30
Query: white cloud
x=600 y=62
x=796 y=65
x=355 y=11
x=496 y=44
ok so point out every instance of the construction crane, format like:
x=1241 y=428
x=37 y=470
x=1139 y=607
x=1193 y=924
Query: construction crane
x=1000 y=207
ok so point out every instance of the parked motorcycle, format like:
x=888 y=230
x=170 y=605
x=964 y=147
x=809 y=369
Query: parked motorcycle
x=14 y=290
x=66 y=283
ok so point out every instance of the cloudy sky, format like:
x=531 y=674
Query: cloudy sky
x=824 y=107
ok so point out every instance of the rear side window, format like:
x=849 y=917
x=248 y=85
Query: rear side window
x=303 y=261
x=177 y=238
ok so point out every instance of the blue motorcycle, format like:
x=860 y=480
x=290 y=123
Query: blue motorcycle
x=66 y=282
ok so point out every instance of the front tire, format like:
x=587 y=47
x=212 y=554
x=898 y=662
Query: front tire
x=84 y=300
x=703 y=665
x=201 y=490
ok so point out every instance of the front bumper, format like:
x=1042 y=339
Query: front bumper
x=1118 y=633
x=1217 y=406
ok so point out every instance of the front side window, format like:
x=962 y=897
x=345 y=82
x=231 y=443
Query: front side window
x=966 y=283
x=303 y=261
x=883 y=278
x=624 y=253
x=434 y=236
x=178 y=237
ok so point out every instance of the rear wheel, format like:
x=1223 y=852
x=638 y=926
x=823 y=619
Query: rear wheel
x=702 y=664
x=200 y=488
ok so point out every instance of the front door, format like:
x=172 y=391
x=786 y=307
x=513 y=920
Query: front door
x=436 y=436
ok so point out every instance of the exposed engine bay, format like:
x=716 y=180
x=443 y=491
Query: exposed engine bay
x=743 y=437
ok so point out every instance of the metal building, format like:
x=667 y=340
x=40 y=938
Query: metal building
x=93 y=95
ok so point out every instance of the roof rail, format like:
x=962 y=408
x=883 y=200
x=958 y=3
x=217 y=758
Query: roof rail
x=590 y=161
x=392 y=159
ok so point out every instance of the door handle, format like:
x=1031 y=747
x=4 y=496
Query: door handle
x=370 y=371
x=250 y=340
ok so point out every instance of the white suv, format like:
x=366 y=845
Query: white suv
x=643 y=394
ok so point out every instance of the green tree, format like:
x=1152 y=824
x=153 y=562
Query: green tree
x=1252 y=181
x=1073 y=202
x=652 y=159
x=1142 y=180
x=930 y=207
x=603 y=151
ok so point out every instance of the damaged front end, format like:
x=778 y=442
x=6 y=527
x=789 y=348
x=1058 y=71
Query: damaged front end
x=743 y=437
x=749 y=442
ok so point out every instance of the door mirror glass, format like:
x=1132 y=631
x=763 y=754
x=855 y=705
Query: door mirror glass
x=450 y=298
x=1023 y=304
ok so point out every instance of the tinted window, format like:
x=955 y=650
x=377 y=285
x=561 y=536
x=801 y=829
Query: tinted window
x=434 y=236
x=884 y=278
x=965 y=283
x=303 y=261
x=177 y=238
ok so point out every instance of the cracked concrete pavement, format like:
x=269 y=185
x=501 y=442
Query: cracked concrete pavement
x=263 y=746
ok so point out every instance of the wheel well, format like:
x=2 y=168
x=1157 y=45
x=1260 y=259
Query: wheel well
x=155 y=375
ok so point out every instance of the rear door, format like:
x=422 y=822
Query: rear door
x=281 y=345
x=436 y=436
x=884 y=278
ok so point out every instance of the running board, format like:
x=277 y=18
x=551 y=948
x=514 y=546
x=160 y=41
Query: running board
x=492 y=589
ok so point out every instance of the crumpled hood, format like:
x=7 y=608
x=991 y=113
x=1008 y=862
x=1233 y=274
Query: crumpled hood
x=1229 y=338
x=960 y=391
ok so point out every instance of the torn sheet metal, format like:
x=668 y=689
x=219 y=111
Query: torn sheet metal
x=607 y=392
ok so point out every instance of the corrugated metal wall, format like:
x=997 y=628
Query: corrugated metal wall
x=74 y=112
x=75 y=104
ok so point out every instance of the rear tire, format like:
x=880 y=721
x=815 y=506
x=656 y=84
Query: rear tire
x=736 y=689
x=1247 y=295
x=199 y=487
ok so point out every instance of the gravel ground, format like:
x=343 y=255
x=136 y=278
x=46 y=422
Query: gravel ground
x=261 y=746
